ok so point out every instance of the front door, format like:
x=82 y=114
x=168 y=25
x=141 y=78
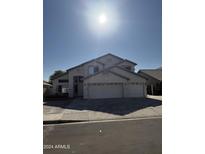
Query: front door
x=78 y=86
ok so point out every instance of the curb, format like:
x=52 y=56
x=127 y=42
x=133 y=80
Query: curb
x=50 y=122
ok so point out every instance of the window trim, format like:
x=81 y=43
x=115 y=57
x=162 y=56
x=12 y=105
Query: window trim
x=95 y=69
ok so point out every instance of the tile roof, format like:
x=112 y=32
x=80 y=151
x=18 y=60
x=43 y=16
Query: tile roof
x=96 y=59
x=154 y=73
x=46 y=83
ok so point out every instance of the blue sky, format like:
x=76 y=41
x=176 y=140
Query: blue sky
x=73 y=34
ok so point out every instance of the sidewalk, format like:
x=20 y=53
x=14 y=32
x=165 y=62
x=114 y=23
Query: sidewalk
x=89 y=110
x=155 y=97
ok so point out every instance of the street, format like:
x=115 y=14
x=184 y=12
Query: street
x=131 y=136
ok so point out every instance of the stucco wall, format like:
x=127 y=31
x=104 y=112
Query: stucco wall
x=104 y=77
x=55 y=83
x=81 y=71
x=74 y=72
x=109 y=60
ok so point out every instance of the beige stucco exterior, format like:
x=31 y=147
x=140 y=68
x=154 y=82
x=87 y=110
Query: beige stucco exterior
x=56 y=83
x=109 y=60
x=111 y=80
x=106 y=77
x=113 y=85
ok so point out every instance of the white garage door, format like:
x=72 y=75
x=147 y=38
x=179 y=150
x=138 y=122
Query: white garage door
x=111 y=90
x=134 y=90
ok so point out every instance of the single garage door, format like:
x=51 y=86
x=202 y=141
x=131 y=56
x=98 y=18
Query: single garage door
x=105 y=90
x=134 y=90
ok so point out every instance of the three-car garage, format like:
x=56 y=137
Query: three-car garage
x=114 y=90
x=110 y=84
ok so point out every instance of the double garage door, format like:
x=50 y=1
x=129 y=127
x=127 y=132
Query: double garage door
x=115 y=90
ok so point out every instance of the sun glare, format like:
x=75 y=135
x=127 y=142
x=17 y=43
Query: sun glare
x=102 y=19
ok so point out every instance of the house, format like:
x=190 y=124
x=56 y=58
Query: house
x=47 y=88
x=154 y=80
x=107 y=76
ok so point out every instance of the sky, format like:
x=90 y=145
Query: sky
x=73 y=32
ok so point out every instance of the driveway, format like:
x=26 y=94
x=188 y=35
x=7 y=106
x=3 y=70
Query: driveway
x=102 y=109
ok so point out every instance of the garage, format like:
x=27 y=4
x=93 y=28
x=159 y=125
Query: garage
x=113 y=85
x=133 y=90
x=114 y=90
x=105 y=90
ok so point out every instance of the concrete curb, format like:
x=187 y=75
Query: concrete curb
x=50 y=122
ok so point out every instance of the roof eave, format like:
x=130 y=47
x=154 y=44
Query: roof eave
x=149 y=75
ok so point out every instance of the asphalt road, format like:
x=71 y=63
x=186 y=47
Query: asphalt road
x=138 y=136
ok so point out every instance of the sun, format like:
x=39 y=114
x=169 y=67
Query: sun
x=102 y=19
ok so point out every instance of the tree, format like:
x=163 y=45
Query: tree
x=55 y=74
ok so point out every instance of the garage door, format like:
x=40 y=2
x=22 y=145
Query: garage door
x=107 y=90
x=134 y=90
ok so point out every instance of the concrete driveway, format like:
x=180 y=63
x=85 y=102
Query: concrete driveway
x=102 y=109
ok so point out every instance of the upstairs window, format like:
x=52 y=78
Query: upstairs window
x=78 y=79
x=96 y=69
x=62 y=80
x=93 y=69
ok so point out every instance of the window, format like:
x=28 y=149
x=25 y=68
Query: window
x=60 y=89
x=96 y=69
x=64 y=90
x=78 y=79
x=62 y=80
x=93 y=69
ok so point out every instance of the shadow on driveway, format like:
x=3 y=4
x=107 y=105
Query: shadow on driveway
x=118 y=106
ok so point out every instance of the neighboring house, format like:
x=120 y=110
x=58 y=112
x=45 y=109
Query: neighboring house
x=154 y=80
x=47 y=88
x=108 y=76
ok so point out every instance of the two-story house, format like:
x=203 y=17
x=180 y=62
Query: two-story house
x=108 y=76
